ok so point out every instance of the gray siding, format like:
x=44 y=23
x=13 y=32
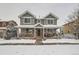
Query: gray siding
x=32 y=21
x=45 y=21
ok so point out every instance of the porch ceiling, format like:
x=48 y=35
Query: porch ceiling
x=1 y=28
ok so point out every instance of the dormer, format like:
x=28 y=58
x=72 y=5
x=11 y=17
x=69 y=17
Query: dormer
x=51 y=19
x=27 y=18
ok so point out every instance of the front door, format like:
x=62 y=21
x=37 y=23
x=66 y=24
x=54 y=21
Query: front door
x=39 y=32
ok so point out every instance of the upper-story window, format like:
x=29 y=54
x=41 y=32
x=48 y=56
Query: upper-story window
x=55 y=22
x=50 y=21
x=27 y=20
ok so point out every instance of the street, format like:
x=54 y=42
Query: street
x=39 y=49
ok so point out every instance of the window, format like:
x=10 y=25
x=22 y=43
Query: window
x=49 y=30
x=55 y=22
x=27 y=30
x=50 y=21
x=27 y=20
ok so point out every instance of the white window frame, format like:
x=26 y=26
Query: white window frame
x=55 y=22
x=50 y=22
x=31 y=18
x=50 y=19
x=27 y=22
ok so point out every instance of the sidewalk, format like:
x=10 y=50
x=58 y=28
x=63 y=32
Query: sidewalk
x=32 y=42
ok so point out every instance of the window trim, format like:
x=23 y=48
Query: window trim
x=49 y=21
x=27 y=22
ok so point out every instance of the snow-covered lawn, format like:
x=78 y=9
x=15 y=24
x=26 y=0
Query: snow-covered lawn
x=17 y=41
x=61 y=41
x=46 y=41
x=68 y=36
x=39 y=49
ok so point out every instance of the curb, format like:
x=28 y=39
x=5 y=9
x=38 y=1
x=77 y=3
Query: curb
x=39 y=44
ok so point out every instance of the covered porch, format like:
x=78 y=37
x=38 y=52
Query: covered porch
x=37 y=31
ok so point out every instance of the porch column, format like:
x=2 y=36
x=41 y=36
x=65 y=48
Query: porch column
x=34 y=33
x=18 y=33
x=4 y=34
x=43 y=33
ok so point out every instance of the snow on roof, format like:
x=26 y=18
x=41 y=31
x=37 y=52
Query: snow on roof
x=1 y=20
x=51 y=14
x=4 y=20
x=34 y=26
x=25 y=26
x=51 y=26
x=2 y=28
x=25 y=13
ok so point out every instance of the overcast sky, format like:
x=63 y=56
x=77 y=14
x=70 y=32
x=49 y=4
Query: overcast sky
x=12 y=11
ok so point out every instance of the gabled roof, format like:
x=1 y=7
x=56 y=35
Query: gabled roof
x=73 y=21
x=14 y=23
x=38 y=25
x=8 y=21
x=26 y=13
x=50 y=15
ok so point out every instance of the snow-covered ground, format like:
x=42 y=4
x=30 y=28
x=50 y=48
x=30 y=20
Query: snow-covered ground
x=33 y=41
x=68 y=36
x=39 y=49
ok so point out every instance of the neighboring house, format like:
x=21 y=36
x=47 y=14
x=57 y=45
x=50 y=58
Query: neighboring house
x=68 y=28
x=71 y=27
x=32 y=27
x=3 y=26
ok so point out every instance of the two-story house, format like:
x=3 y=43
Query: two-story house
x=32 y=27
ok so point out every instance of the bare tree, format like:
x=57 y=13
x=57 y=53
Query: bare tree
x=75 y=19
